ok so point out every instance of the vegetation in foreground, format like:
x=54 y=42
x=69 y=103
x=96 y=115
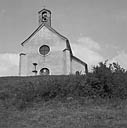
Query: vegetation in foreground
x=95 y=100
x=72 y=113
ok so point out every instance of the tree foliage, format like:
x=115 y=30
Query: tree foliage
x=112 y=79
x=105 y=81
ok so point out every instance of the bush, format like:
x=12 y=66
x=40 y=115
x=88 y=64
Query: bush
x=105 y=81
x=111 y=78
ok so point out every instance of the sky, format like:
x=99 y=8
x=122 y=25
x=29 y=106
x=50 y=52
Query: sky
x=96 y=29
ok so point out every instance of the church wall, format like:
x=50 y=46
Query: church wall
x=77 y=66
x=59 y=60
x=42 y=37
x=54 y=60
x=67 y=62
x=22 y=65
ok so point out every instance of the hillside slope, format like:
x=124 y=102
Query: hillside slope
x=25 y=102
x=67 y=114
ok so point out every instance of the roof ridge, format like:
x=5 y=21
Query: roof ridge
x=49 y=27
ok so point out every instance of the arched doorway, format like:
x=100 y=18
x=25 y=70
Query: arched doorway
x=44 y=71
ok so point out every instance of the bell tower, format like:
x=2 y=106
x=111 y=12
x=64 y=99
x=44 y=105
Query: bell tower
x=44 y=17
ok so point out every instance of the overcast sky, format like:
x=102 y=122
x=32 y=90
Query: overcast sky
x=96 y=29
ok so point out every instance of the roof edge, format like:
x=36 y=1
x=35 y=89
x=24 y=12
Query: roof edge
x=77 y=59
x=49 y=27
x=45 y=10
x=33 y=34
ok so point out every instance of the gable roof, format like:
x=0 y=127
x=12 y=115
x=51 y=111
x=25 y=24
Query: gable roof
x=51 y=29
x=78 y=60
x=45 y=10
x=42 y=25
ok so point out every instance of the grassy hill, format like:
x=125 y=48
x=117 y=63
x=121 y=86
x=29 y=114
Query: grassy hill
x=57 y=102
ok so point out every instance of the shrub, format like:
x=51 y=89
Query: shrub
x=105 y=81
x=112 y=79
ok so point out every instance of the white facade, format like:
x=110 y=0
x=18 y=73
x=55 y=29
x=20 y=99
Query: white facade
x=48 y=52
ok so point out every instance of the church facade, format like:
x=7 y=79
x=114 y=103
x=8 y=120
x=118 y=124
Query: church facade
x=47 y=52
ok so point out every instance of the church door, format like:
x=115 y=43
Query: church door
x=44 y=71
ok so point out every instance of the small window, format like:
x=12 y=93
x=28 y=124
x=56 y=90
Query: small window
x=44 y=16
x=44 y=50
x=44 y=71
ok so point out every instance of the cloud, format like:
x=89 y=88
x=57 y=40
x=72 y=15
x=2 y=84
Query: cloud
x=9 y=64
x=88 y=50
x=91 y=44
x=121 y=59
x=85 y=48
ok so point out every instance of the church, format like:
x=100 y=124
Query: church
x=47 y=52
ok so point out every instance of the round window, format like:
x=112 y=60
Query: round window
x=44 y=50
x=44 y=71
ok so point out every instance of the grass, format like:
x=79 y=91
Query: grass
x=66 y=112
x=86 y=113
